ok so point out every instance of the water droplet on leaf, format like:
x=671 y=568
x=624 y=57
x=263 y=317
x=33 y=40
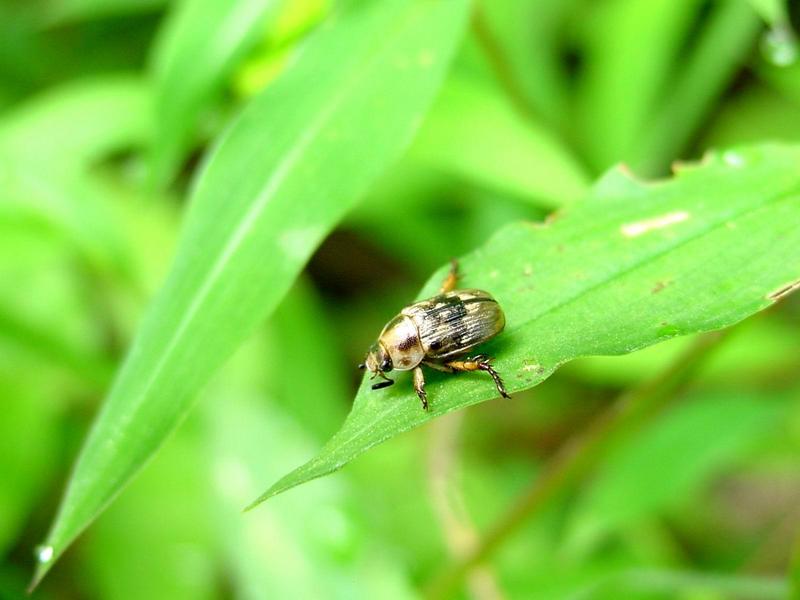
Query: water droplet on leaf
x=44 y=554
x=733 y=159
x=779 y=45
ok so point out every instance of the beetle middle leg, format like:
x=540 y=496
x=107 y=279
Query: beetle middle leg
x=438 y=366
x=449 y=283
x=419 y=387
x=480 y=363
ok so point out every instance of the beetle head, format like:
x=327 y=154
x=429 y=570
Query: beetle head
x=378 y=362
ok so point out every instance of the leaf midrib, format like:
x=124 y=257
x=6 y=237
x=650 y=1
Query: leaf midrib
x=279 y=174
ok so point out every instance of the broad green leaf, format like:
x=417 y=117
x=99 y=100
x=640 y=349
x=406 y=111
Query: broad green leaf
x=662 y=466
x=753 y=352
x=629 y=266
x=200 y=45
x=474 y=132
x=286 y=172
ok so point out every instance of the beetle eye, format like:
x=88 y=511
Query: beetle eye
x=386 y=364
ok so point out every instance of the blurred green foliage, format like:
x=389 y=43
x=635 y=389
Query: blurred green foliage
x=109 y=111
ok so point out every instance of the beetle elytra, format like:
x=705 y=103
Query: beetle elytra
x=438 y=333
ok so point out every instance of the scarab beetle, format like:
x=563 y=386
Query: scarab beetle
x=437 y=333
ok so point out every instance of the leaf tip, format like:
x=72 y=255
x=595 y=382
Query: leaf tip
x=262 y=498
x=274 y=490
x=44 y=560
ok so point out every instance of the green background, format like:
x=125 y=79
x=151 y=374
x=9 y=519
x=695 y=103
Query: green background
x=208 y=210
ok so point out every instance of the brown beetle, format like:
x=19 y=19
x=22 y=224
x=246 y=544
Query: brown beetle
x=437 y=333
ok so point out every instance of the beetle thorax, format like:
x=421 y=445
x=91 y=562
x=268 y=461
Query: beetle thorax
x=400 y=337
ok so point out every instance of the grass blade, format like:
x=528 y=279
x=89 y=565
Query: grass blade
x=286 y=172
x=199 y=46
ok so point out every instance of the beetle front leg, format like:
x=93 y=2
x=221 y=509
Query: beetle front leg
x=449 y=283
x=480 y=363
x=419 y=387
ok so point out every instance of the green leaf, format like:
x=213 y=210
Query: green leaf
x=200 y=45
x=628 y=267
x=286 y=172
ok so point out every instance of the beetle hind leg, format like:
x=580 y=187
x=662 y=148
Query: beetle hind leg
x=480 y=363
x=449 y=283
x=419 y=387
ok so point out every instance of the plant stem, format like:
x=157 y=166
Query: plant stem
x=499 y=63
x=578 y=456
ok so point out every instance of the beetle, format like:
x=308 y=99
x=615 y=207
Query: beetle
x=438 y=333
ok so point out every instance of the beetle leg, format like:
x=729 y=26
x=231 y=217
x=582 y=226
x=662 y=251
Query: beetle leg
x=438 y=366
x=419 y=387
x=449 y=283
x=480 y=363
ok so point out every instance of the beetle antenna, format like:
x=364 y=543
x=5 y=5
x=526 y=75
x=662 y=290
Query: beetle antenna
x=362 y=366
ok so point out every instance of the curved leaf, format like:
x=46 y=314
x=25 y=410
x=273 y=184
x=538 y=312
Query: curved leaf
x=630 y=266
x=200 y=44
x=286 y=172
x=88 y=118
x=47 y=147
